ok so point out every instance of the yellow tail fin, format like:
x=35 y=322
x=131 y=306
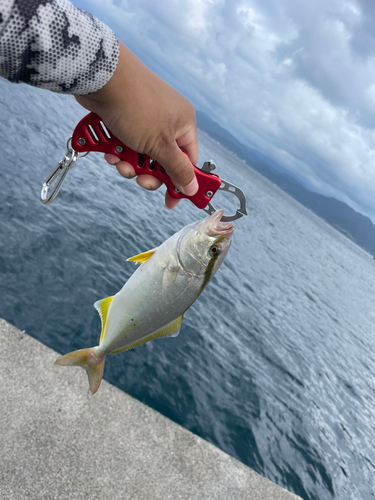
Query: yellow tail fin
x=86 y=357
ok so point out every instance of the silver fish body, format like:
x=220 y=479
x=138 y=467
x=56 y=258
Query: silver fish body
x=152 y=302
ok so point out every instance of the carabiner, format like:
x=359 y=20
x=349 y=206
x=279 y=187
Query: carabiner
x=58 y=175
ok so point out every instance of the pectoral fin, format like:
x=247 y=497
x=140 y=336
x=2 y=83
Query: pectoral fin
x=142 y=257
x=102 y=307
x=170 y=330
x=169 y=277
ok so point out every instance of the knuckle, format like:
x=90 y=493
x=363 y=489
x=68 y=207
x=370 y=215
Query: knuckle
x=158 y=147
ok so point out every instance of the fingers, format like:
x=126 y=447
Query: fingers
x=179 y=168
x=189 y=142
x=148 y=182
x=111 y=159
x=126 y=170
x=176 y=163
x=169 y=201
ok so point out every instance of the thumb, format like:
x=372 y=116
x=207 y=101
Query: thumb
x=180 y=169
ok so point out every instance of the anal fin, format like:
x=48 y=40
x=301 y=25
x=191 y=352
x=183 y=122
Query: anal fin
x=170 y=330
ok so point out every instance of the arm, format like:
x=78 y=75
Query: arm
x=56 y=46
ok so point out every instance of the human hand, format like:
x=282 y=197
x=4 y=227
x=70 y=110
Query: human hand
x=150 y=117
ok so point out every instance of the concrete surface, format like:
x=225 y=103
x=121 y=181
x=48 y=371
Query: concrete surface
x=57 y=442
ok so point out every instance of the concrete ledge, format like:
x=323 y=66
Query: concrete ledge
x=57 y=442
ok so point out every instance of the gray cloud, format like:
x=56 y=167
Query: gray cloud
x=294 y=79
x=363 y=35
x=323 y=55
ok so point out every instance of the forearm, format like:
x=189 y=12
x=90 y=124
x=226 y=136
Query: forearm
x=56 y=46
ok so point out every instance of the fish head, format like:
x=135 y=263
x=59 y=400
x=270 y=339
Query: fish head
x=203 y=246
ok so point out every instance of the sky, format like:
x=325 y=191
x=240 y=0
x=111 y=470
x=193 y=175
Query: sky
x=294 y=79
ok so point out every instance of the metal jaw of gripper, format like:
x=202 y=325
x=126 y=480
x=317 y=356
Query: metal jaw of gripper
x=208 y=166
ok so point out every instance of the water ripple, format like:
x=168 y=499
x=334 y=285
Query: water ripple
x=274 y=362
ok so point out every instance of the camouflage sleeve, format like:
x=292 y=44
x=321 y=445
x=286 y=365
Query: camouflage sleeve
x=54 y=45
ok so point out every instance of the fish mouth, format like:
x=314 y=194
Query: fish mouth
x=215 y=227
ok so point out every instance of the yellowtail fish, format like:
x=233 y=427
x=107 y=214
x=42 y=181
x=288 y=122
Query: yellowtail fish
x=152 y=302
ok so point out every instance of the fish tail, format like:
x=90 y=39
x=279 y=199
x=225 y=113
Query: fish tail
x=93 y=364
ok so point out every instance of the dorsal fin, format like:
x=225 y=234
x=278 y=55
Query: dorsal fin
x=142 y=257
x=102 y=307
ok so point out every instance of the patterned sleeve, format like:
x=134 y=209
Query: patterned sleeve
x=54 y=45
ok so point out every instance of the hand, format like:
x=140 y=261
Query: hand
x=150 y=117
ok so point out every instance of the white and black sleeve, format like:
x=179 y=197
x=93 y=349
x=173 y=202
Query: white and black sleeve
x=54 y=45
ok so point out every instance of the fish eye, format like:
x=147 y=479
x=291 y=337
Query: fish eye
x=214 y=250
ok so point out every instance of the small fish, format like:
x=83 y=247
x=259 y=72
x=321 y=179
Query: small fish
x=153 y=301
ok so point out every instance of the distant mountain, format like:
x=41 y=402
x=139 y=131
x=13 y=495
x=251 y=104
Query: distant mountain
x=352 y=224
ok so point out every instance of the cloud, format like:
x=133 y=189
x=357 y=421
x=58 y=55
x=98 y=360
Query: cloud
x=295 y=80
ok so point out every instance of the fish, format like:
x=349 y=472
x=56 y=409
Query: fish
x=153 y=301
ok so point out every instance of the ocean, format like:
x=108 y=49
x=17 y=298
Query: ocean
x=275 y=361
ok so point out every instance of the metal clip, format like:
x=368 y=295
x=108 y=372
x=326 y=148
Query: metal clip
x=58 y=175
x=230 y=188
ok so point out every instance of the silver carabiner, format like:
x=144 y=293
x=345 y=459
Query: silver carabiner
x=58 y=175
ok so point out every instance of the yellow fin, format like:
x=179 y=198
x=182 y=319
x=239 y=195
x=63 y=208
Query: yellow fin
x=170 y=330
x=142 y=257
x=102 y=307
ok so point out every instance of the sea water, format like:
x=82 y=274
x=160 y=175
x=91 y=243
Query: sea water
x=275 y=360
